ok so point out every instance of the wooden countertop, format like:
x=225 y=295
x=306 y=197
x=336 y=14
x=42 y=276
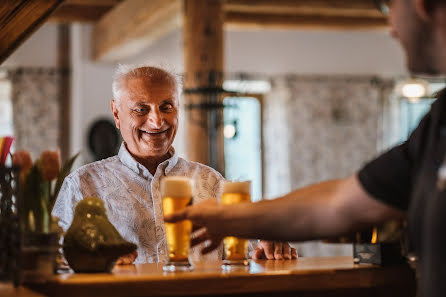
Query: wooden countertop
x=7 y=290
x=304 y=276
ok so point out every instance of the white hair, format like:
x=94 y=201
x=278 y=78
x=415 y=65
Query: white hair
x=125 y=71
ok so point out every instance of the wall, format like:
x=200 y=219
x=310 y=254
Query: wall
x=91 y=90
x=40 y=50
x=304 y=52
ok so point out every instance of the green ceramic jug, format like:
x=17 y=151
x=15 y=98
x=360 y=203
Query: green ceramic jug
x=92 y=244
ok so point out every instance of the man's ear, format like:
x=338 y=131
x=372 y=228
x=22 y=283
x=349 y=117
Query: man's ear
x=115 y=111
x=424 y=9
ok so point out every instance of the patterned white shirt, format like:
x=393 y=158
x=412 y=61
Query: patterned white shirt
x=132 y=198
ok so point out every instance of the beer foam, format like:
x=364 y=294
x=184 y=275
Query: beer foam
x=242 y=187
x=176 y=187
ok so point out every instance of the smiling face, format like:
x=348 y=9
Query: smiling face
x=147 y=115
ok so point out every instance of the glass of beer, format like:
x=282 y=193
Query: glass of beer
x=235 y=249
x=177 y=194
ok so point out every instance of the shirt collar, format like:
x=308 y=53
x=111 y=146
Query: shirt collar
x=127 y=159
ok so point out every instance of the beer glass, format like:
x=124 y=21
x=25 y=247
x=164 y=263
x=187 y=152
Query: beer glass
x=235 y=249
x=177 y=194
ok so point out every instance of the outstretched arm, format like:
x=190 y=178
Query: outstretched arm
x=323 y=210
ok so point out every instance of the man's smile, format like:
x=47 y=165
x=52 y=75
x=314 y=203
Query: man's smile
x=154 y=132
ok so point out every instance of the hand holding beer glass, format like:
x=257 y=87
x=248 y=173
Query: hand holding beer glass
x=235 y=249
x=177 y=194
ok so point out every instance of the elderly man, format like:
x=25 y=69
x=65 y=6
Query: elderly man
x=145 y=109
x=409 y=180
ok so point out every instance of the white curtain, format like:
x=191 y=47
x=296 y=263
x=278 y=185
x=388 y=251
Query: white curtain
x=35 y=104
x=317 y=128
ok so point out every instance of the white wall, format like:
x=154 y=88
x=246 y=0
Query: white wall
x=91 y=90
x=40 y=50
x=314 y=52
x=304 y=52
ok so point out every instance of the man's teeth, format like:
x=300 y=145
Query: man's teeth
x=152 y=132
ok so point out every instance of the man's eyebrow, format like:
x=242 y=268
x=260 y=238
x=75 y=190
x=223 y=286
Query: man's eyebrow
x=168 y=100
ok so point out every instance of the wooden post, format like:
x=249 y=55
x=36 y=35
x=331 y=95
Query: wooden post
x=203 y=63
x=64 y=64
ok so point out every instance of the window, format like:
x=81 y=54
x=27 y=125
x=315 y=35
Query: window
x=412 y=111
x=242 y=131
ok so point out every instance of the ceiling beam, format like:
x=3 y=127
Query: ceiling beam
x=336 y=7
x=106 y=3
x=19 y=20
x=234 y=20
x=70 y=13
x=133 y=25
x=85 y=11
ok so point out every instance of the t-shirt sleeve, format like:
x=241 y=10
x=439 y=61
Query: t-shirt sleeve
x=389 y=178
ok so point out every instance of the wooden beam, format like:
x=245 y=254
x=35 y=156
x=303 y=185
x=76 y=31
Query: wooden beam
x=345 y=7
x=133 y=25
x=293 y=6
x=19 y=19
x=64 y=64
x=106 y=3
x=235 y=20
x=70 y=13
x=82 y=10
x=203 y=65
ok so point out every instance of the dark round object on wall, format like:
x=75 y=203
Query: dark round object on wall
x=103 y=139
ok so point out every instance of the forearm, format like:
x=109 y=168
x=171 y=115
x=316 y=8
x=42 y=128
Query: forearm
x=292 y=217
x=323 y=210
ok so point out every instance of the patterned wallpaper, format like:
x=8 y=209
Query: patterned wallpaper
x=35 y=108
x=319 y=127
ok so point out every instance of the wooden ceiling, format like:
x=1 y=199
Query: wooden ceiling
x=328 y=14
x=125 y=27
x=82 y=10
x=19 y=19
x=133 y=25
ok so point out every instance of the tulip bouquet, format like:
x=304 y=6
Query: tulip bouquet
x=40 y=184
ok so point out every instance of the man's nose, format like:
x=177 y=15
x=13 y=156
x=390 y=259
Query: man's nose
x=155 y=119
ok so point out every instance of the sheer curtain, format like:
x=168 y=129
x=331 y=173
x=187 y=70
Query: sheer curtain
x=35 y=104
x=318 y=128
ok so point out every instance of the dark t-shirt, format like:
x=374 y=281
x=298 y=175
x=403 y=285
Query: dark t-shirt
x=406 y=178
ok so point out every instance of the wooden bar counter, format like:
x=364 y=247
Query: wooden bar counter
x=331 y=276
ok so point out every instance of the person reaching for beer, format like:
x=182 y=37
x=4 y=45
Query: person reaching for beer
x=145 y=110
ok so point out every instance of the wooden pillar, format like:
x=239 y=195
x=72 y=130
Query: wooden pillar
x=64 y=64
x=203 y=62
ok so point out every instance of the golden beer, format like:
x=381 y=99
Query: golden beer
x=235 y=248
x=177 y=234
x=177 y=194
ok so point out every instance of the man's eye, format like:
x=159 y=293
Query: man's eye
x=166 y=107
x=140 y=109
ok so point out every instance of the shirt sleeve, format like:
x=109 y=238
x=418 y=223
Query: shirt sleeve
x=67 y=199
x=389 y=178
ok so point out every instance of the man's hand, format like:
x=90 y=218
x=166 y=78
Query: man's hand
x=207 y=214
x=274 y=250
x=127 y=259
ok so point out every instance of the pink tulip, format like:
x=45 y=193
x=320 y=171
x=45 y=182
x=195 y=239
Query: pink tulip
x=50 y=162
x=23 y=160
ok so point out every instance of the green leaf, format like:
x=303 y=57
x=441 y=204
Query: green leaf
x=62 y=175
x=35 y=199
